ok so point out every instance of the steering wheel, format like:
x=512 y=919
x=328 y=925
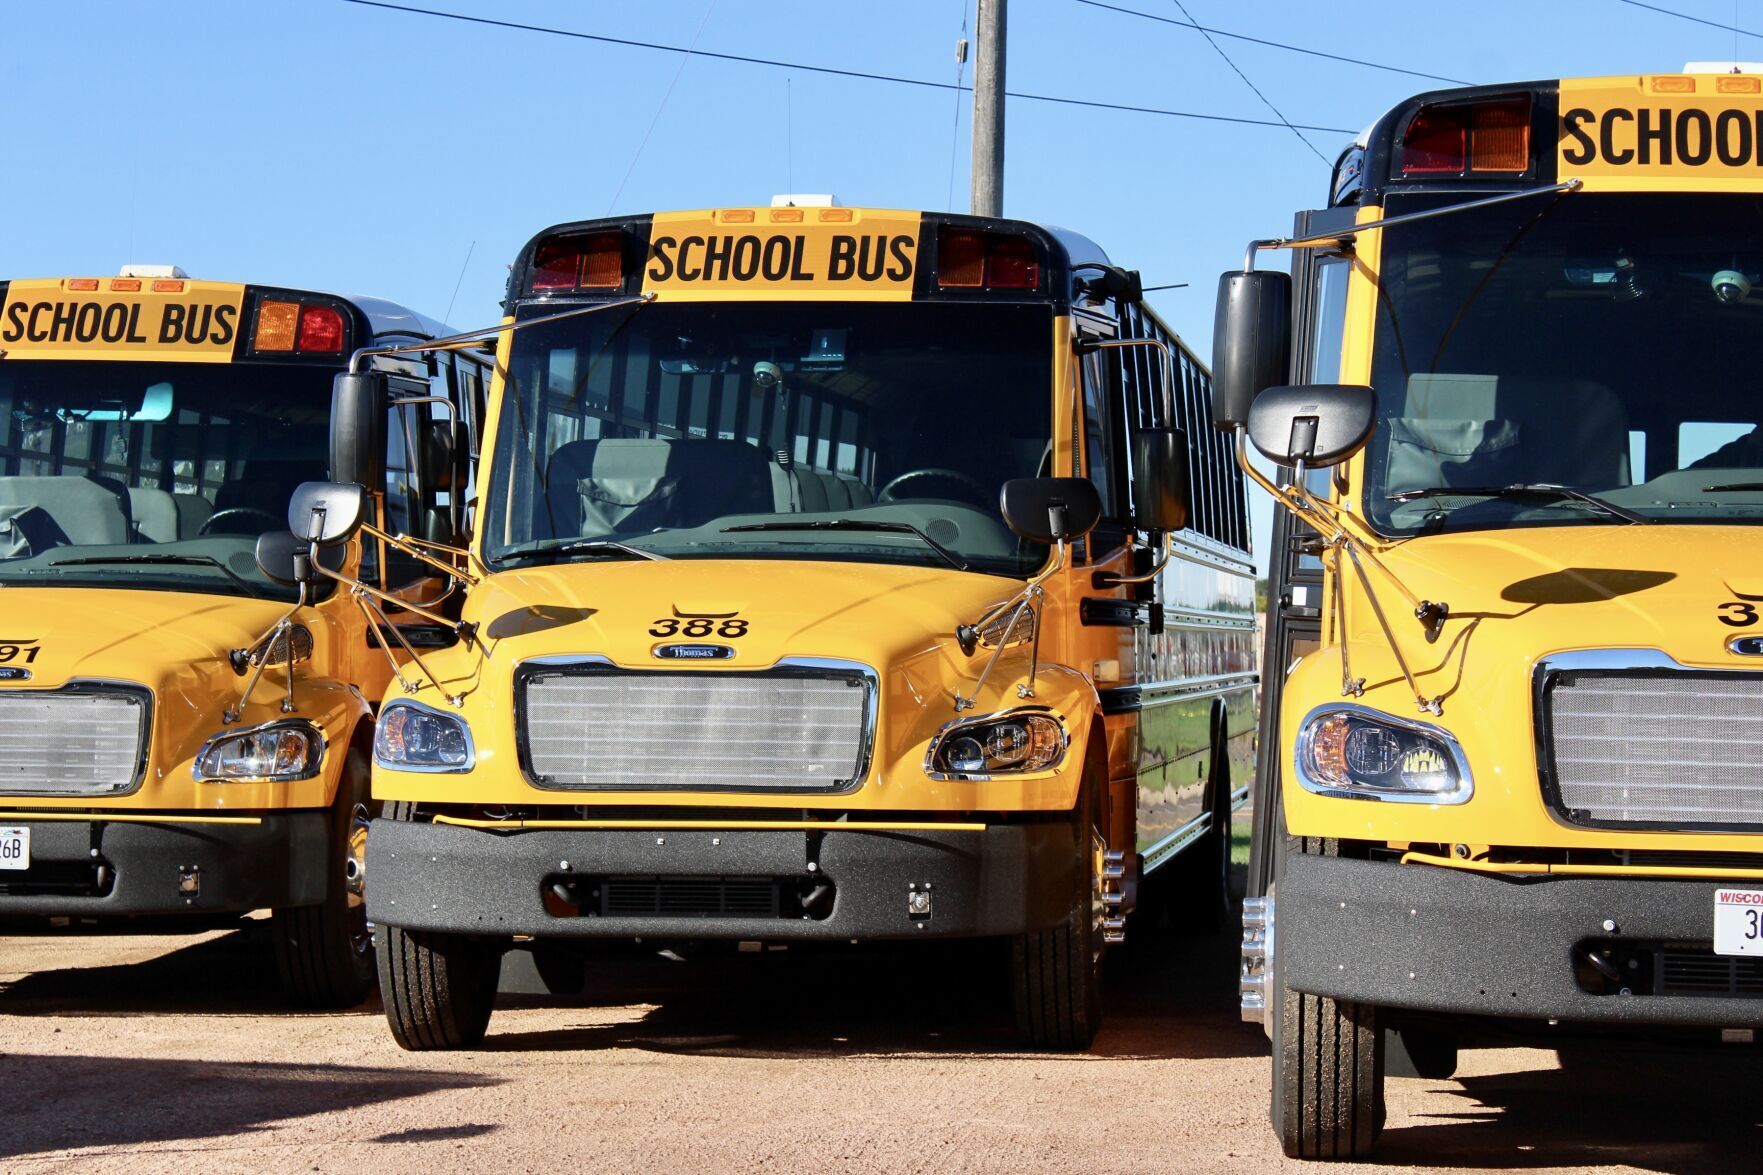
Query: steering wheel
x=980 y=494
x=234 y=512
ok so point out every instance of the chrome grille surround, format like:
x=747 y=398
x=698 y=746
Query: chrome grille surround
x=608 y=724
x=1631 y=738
x=87 y=738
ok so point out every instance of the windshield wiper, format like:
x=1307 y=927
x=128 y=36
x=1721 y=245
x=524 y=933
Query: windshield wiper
x=584 y=547
x=1522 y=490
x=858 y=525
x=164 y=561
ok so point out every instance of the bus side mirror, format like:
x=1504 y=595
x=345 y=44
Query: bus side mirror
x=1160 y=478
x=1252 y=342
x=1050 y=509
x=359 y=403
x=285 y=558
x=1320 y=425
x=327 y=512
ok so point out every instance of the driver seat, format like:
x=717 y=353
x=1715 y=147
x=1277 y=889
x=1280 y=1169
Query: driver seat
x=264 y=486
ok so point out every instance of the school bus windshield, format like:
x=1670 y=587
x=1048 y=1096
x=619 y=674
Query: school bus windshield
x=665 y=427
x=1609 y=343
x=156 y=476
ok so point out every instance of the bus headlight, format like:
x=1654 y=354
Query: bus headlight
x=1001 y=744
x=1359 y=753
x=276 y=751
x=412 y=737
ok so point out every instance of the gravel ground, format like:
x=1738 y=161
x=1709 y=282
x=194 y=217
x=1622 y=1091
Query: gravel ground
x=171 y=1054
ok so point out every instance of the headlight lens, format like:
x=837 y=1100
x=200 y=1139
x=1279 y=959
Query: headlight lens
x=998 y=745
x=279 y=751
x=411 y=737
x=1368 y=755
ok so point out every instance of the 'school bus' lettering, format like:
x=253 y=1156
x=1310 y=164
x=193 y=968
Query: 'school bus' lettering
x=1618 y=127
x=871 y=254
x=41 y=319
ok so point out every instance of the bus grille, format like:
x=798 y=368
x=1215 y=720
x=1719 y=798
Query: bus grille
x=782 y=730
x=1664 y=749
x=70 y=743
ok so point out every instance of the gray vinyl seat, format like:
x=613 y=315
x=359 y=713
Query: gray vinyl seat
x=631 y=486
x=193 y=510
x=86 y=512
x=155 y=514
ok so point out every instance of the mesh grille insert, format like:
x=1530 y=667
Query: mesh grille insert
x=689 y=897
x=69 y=743
x=703 y=731
x=1661 y=748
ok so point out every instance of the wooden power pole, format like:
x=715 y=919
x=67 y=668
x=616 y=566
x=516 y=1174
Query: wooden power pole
x=988 y=111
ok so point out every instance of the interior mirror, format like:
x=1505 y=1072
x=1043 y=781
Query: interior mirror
x=1320 y=425
x=1048 y=509
x=284 y=557
x=359 y=403
x=1251 y=342
x=327 y=512
x=1160 y=478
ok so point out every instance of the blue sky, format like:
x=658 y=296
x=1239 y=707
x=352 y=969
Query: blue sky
x=323 y=144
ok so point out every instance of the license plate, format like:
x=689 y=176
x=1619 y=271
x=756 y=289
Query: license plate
x=1738 y=921
x=15 y=848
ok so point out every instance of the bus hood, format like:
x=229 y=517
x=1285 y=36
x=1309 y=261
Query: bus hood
x=1522 y=594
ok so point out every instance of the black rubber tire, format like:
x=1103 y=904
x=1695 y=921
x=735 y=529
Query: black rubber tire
x=324 y=953
x=1056 y=974
x=1328 y=1064
x=1202 y=897
x=438 y=989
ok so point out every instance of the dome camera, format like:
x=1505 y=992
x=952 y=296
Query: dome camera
x=1731 y=286
x=767 y=375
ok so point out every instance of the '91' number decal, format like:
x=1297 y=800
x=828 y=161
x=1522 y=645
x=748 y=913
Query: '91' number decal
x=731 y=627
x=19 y=650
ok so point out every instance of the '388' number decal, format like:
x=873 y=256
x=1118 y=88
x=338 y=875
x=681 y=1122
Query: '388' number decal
x=728 y=625
x=1740 y=611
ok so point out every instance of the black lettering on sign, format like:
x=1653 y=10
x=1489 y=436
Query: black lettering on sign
x=85 y=325
x=716 y=252
x=843 y=260
x=685 y=250
x=742 y=258
x=797 y=273
x=746 y=262
x=774 y=262
x=1662 y=136
x=61 y=325
x=223 y=324
x=135 y=335
x=13 y=331
x=171 y=323
x=116 y=322
x=898 y=247
x=661 y=251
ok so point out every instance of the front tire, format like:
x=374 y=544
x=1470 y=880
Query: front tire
x=324 y=953
x=1057 y=973
x=438 y=989
x=1328 y=1063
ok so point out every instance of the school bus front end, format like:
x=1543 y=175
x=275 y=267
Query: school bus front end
x=755 y=657
x=1518 y=776
x=163 y=762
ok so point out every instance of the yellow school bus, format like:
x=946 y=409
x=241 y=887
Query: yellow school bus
x=159 y=766
x=1515 y=589
x=837 y=575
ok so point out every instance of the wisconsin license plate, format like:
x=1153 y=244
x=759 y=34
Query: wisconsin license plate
x=15 y=848
x=1738 y=921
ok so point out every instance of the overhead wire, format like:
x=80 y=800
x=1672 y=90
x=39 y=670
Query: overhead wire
x=1265 y=100
x=1200 y=28
x=960 y=76
x=1702 y=20
x=668 y=93
x=838 y=72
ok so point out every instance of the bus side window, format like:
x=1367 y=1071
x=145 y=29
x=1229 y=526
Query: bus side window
x=1103 y=463
x=403 y=509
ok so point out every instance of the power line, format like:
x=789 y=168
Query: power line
x=1265 y=100
x=836 y=72
x=1713 y=24
x=1199 y=28
x=631 y=170
x=960 y=75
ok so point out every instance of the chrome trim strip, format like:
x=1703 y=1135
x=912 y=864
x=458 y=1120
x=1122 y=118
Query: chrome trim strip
x=1176 y=841
x=314 y=767
x=948 y=728
x=1466 y=783
x=411 y=703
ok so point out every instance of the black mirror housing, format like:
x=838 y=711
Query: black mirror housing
x=327 y=512
x=1320 y=424
x=1160 y=479
x=1050 y=509
x=285 y=558
x=359 y=404
x=1251 y=342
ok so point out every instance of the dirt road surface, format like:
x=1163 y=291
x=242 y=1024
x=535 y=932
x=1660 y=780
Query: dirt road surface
x=171 y=1054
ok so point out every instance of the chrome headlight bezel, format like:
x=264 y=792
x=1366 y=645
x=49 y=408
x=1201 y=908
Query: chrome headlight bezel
x=207 y=766
x=936 y=766
x=390 y=709
x=1351 y=789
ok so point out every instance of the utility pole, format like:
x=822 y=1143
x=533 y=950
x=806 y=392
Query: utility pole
x=988 y=111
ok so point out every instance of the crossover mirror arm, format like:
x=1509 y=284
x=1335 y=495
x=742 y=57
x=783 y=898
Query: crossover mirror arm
x=280 y=630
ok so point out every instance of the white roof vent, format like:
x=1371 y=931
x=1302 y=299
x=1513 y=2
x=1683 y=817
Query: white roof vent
x=1723 y=67
x=800 y=200
x=152 y=271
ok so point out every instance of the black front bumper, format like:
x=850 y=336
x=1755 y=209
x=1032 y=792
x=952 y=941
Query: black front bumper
x=101 y=869
x=1448 y=940
x=556 y=883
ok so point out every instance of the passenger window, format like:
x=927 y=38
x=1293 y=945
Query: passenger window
x=403 y=508
x=1103 y=462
